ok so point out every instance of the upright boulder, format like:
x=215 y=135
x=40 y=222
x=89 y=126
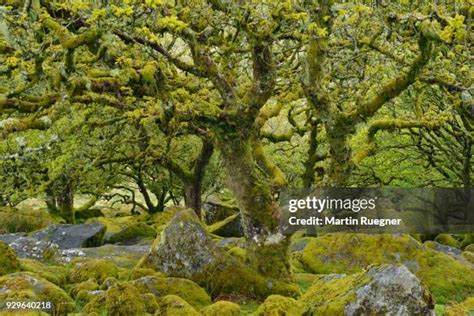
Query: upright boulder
x=72 y=236
x=185 y=250
x=380 y=290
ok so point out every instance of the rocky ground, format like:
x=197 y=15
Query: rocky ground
x=172 y=264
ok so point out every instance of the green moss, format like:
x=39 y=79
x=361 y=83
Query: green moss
x=186 y=289
x=305 y=280
x=52 y=273
x=221 y=308
x=448 y=240
x=446 y=278
x=133 y=233
x=95 y=269
x=123 y=300
x=469 y=255
x=96 y=305
x=238 y=253
x=150 y=302
x=21 y=220
x=159 y=220
x=8 y=261
x=137 y=273
x=331 y=297
x=467 y=240
x=27 y=286
x=470 y=248
x=464 y=308
x=276 y=305
x=172 y=305
x=89 y=285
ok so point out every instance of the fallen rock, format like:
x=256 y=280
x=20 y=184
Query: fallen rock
x=29 y=287
x=72 y=236
x=351 y=253
x=32 y=248
x=185 y=250
x=381 y=290
x=8 y=261
x=229 y=227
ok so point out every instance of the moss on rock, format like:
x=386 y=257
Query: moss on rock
x=238 y=253
x=8 y=261
x=448 y=240
x=123 y=300
x=133 y=233
x=276 y=305
x=97 y=269
x=467 y=240
x=24 y=220
x=464 y=308
x=172 y=305
x=380 y=290
x=186 y=289
x=27 y=286
x=469 y=255
x=52 y=273
x=194 y=255
x=89 y=285
x=446 y=278
x=221 y=308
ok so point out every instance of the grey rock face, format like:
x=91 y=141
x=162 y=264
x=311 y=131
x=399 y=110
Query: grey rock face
x=73 y=236
x=9 y=238
x=392 y=290
x=183 y=254
x=32 y=248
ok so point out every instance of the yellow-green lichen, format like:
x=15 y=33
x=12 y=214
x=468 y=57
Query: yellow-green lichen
x=8 y=261
x=221 y=308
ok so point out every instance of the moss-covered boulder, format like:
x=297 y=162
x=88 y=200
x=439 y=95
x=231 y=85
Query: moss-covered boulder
x=99 y=270
x=381 y=290
x=186 y=289
x=464 y=308
x=468 y=239
x=172 y=305
x=27 y=286
x=53 y=273
x=133 y=234
x=469 y=256
x=160 y=220
x=89 y=285
x=219 y=206
x=469 y=248
x=185 y=250
x=221 y=308
x=448 y=240
x=124 y=300
x=24 y=220
x=238 y=253
x=446 y=278
x=8 y=261
x=276 y=305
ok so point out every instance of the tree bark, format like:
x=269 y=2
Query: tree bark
x=267 y=248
